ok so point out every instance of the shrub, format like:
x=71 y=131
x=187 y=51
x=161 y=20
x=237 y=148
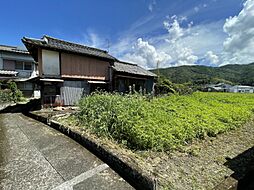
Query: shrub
x=5 y=96
x=11 y=93
x=164 y=86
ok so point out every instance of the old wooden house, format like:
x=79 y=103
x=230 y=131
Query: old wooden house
x=128 y=75
x=68 y=71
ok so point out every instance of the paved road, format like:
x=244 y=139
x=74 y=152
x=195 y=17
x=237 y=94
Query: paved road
x=35 y=156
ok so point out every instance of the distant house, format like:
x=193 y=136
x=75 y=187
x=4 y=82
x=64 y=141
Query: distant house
x=68 y=71
x=18 y=65
x=241 y=89
x=221 y=87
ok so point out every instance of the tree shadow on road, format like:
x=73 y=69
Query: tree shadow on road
x=32 y=105
x=243 y=167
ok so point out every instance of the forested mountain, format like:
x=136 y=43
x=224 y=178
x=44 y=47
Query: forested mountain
x=236 y=74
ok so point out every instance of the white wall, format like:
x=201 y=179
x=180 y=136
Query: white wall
x=50 y=63
x=236 y=89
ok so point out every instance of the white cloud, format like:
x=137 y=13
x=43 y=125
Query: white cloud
x=168 y=49
x=146 y=55
x=239 y=45
x=181 y=54
x=93 y=39
x=180 y=45
x=211 y=57
x=174 y=30
x=189 y=44
x=151 y=5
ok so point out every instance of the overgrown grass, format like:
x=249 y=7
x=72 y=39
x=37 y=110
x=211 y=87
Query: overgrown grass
x=163 y=123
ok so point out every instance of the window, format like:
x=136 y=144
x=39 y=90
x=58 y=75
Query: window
x=23 y=65
x=9 y=65
x=25 y=86
x=28 y=66
x=19 y=65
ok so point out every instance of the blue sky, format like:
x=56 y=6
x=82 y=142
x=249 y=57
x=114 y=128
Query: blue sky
x=171 y=32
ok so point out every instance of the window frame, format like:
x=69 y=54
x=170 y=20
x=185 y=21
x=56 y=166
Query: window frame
x=19 y=63
x=23 y=65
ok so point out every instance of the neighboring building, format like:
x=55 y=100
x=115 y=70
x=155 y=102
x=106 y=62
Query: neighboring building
x=221 y=87
x=127 y=74
x=68 y=71
x=18 y=65
x=241 y=89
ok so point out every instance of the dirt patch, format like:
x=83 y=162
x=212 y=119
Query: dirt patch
x=202 y=165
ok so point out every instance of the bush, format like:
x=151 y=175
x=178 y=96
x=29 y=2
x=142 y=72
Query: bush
x=164 y=86
x=5 y=96
x=163 y=123
x=11 y=93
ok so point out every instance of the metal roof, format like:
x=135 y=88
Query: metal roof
x=57 y=44
x=13 y=49
x=242 y=86
x=131 y=69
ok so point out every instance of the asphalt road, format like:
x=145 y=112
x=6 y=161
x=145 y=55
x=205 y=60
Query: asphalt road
x=35 y=156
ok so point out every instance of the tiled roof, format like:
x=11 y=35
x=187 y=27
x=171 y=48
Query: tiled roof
x=57 y=44
x=13 y=49
x=5 y=72
x=131 y=69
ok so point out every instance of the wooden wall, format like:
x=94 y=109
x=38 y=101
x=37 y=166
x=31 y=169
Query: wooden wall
x=76 y=66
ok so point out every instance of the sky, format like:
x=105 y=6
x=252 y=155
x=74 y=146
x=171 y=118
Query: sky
x=146 y=32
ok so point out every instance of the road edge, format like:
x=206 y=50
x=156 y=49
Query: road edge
x=136 y=178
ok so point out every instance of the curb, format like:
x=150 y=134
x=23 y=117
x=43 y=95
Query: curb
x=131 y=175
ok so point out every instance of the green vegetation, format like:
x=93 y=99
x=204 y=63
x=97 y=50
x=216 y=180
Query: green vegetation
x=9 y=92
x=163 y=123
x=164 y=86
x=238 y=74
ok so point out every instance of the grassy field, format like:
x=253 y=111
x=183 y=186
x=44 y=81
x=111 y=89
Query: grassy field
x=163 y=123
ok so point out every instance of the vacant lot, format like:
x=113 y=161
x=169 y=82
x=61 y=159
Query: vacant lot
x=163 y=123
x=186 y=142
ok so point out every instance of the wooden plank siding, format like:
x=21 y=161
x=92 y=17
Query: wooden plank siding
x=76 y=66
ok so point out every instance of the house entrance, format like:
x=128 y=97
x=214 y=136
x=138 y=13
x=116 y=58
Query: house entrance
x=51 y=94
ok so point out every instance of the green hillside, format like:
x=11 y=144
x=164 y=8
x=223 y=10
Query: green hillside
x=237 y=74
